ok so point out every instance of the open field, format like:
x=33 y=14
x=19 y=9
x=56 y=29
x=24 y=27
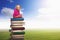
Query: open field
x=34 y=35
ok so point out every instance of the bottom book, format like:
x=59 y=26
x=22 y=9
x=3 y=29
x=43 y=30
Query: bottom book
x=17 y=39
x=17 y=36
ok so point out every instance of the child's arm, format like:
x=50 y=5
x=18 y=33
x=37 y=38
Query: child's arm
x=18 y=16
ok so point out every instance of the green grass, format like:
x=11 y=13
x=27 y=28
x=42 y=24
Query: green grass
x=34 y=35
x=4 y=35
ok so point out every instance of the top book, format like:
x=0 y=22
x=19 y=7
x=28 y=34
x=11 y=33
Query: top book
x=17 y=19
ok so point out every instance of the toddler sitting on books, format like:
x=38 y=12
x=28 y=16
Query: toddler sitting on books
x=17 y=13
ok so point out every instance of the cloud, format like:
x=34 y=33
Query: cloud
x=11 y=1
x=49 y=11
x=48 y=17
x=7 y=11
x=50 y=3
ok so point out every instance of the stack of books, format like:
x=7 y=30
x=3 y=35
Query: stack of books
x=17 y=29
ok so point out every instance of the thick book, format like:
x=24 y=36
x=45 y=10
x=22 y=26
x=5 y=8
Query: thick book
x=17 y=33
x=16 y=38
x=17 y=19
x=16 y=26
x=20 y=28
x=17 y=22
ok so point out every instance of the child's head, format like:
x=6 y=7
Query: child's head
x=18 y=7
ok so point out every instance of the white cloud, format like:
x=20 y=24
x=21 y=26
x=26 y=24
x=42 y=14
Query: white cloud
x=49 y=11
x=11 y=0
x=48 y=17
x=7 y=11
x=50 y=3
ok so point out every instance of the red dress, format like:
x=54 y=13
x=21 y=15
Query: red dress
x=17 y=14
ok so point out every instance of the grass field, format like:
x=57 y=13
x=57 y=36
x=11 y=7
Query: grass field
x=34 y=35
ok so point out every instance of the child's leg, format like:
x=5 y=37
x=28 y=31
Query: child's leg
x=20 y=16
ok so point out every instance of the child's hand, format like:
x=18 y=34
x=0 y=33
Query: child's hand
x=19 y=16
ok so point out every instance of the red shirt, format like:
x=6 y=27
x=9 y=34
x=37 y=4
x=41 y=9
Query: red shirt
x=16 y=13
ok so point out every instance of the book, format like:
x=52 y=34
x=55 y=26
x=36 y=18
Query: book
x=16 y=38
x=16 y=26
x=17 y=19
x=20 y=28
x=17 y=22
x=17 y=33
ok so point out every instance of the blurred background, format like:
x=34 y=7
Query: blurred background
x=42 y=18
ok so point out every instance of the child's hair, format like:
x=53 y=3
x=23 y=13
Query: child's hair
x=18 y=6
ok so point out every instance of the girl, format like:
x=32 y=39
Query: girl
x=16 y=13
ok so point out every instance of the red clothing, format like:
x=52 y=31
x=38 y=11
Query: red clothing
x=16 y=14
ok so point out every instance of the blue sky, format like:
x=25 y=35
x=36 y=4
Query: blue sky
x=38 y=14
x=29 y=6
